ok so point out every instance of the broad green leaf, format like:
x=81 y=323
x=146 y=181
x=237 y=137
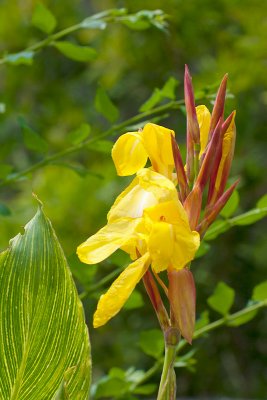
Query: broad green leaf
x=202 y=250
x=152 y=101
x=134 y=301
x=250 y=217
x=4 y=210
x=43 y=336
x=80 y=134
x=43 y=19
x=152 y=343
x=231 y=205
x=104 y=105
x=75 y=52
x=216 y=229
x=5 y=170
x=222 y=299
x=21 y=58
x=32 y=139
x=169 y=88
x=262 y=202
x=260 y=292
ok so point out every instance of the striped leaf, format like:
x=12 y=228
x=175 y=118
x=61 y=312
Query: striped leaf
x=44 y=343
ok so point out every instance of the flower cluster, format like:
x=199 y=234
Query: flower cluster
x=157 y=219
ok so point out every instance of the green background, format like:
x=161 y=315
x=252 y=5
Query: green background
x=55 y=95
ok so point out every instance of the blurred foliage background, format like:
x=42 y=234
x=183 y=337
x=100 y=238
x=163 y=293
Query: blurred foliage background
x=55 y=95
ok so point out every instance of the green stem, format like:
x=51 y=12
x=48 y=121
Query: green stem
x=167 y=378
x=73 y=149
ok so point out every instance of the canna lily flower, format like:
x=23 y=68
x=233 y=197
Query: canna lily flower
x=131 y=151
x=158 y=235
x=157 y=219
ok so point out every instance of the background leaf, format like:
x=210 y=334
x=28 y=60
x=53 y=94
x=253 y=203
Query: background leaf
x=23 y=57
x=104 y=105
x=260 y=292
x=231 y=205
x=75 y=52
x=43 y=18
x=222 y=299
x=152 y=343
x=32 y=139
x=43 y=332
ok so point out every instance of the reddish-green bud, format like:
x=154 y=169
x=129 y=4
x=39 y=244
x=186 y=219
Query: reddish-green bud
x=218 y=109
x=182 y=296
x=192 y=122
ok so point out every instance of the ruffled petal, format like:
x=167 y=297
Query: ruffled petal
x=146 y=190
x=129 y=154
x=171 y=242
x=113 y=300
x=203 y=117
x=108 y=239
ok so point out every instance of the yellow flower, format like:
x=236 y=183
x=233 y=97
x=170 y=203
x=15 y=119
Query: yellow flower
x=148 y=222
x=131 y=151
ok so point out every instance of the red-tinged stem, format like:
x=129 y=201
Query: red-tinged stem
x=189 y=157
x=155 y=298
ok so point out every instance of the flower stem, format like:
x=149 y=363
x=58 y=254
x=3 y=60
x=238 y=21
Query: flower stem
x=167 y=387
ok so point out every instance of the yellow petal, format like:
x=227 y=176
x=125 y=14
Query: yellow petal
x=171 y=242
x=157 y=141
x=108 y=239
x=146 y=190
x=113 y=300
x=129 y=154
x=203 y=117
x=161 y=245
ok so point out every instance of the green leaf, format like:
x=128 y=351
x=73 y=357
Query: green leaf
x=203 y=320
x=260 y=292
x=21 y=58
x=145 y=389
x=243 y=319
x=43 y=19
x=2 y=108
x=216 y=229
x=134 y=301
x=5 y=170
x=4 y=210
x=43 y=319
x=250 y=217
x=202 y=250
x=169 y=88
x=32 y=139
x=109 y=387
x=104 y=105
x=152 y=343
x=222 y=299
x=75 y=52
x=79 y=135
x=231 y=205
x=262 y=202
x=101 y=146
x=152 y=101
